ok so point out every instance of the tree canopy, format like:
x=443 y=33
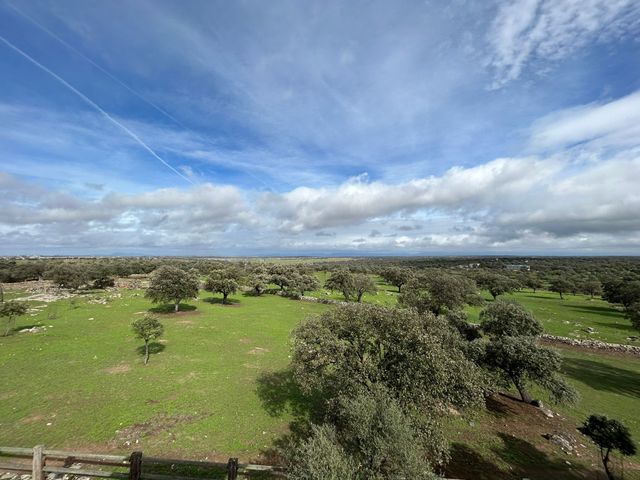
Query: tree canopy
x=9 y=311
x=418 y=358
x=147 y=328
x=509 y=318
x=608 y=435
x=397 y=276
x=437 y=292
x=497 y=284
x=519 y=361
x=222 y=281
x=342 y=281
x=69 y=275
x=172 y=284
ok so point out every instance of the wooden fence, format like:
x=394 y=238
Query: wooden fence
x=138 y=466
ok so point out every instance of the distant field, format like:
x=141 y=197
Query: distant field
x=572 y=316
x=386 y=295
x=568 y=318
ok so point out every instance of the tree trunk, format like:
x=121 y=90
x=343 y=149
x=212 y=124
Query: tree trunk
x=524 y=394
x=224 y=298
x=360 y=297
x=146 y=352
x=399 y=288
x=561 y=298
x=605 y=462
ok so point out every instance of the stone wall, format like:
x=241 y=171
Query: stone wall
x=593 y=344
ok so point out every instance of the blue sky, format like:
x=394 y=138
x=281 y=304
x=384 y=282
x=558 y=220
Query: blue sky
x=252 y=128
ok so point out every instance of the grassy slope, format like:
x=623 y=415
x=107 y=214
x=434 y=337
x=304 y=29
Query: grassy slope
x=208 y=370
x=609 y=385
x=508 y=443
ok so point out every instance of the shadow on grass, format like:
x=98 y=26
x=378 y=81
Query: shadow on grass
x=279 y=395
x=467 y=463
x=501 y=409
x=524 y=460
x=602 y=376
x=154 y=347
x=218 y=301
x=253 y=293
x=170 y=308
x=542 y=297
x=595 y=310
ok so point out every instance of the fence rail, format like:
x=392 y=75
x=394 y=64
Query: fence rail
x=134 y=463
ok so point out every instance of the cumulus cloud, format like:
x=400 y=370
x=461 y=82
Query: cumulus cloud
x=358 y=200
x=535 y=31
x=159 y=217
x=509 y=203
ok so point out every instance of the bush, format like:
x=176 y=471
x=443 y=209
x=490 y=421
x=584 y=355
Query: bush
x=320 y=457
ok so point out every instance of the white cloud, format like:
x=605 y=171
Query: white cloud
x=614 y=123
x=357 y=201
x=510 y=204
x=530 y=31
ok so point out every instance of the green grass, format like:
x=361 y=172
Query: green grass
x=500 y=444
x=201 y=395
x=386 y=294
x=85 y=378
x=572 y=316
x=608 y=385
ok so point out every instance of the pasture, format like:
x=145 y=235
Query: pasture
x=214 y=386
x=82 y=383
x=572 y=316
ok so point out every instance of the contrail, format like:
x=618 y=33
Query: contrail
x=103 y=70
x=120 y=82
x=95 y=106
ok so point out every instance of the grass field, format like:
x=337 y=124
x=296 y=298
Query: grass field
x=207 y=392
x=506 y=441
x=568 y=317
x=572 y=316
x=608 y=385
x=82 y=380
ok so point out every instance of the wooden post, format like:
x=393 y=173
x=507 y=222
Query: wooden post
x=38 y=463
x=232 y=469
x=135 y=466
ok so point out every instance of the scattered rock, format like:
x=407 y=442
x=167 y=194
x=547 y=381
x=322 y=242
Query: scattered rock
x=566 y=442
x=33 y=330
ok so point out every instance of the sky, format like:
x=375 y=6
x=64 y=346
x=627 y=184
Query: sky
x=320 y=128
